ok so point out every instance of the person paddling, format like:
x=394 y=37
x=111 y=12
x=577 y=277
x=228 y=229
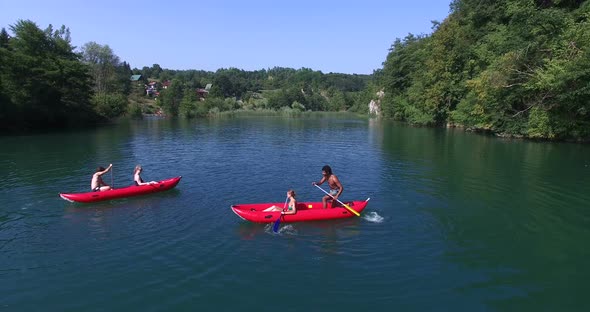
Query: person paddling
x=97 y=184
x=336 y=187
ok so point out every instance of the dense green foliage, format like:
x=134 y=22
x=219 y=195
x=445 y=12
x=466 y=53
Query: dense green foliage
x=111 y=79
x=276 y=88
x=511 y=67
x=43 y=83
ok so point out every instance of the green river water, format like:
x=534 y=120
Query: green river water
x=456 y=221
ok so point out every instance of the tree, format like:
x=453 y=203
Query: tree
x=508 y=67
x=111 y=79
x=188 y=104
x=4 y=38
x=42 y=81
x=156 y=71
x=103 y=63
x=171 y=97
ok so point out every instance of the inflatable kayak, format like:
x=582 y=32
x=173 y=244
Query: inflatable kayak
x=129 y=191
x=306 y=211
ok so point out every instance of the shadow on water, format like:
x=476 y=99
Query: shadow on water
x=343 y=227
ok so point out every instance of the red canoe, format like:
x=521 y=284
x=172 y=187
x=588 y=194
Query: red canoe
x=306 y=211
x=129 y=191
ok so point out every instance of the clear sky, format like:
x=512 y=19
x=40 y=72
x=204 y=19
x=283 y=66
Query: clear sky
x=331 y=36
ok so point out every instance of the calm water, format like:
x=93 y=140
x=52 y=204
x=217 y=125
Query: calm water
x=456 y=221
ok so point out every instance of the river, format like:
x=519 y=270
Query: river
x=455 y=221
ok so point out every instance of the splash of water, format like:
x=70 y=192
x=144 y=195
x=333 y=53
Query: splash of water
x=287 y=229
x=373 y=217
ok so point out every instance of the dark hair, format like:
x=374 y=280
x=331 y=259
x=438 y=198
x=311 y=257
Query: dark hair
x=99 y=169
x=327 y=169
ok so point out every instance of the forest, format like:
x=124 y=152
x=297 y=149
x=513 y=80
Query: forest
x=516 y=68
x=46 y=83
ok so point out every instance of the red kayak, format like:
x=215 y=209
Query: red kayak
x=306 y=211
x=129 y=191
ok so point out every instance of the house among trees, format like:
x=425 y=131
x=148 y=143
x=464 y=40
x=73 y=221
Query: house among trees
x=136 y=77
x=203 y=92
x=151 y=89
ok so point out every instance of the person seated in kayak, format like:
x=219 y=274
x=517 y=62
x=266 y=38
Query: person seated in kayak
x=97 y=183
x=137 y=177
x=290 y=208
x=336 y=187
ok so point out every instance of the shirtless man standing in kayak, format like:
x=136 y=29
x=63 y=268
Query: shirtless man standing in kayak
x=336 y=187
x=97 y=184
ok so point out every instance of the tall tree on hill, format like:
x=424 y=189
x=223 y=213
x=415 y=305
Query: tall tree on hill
x=103 y=63
x=170 y=99
x=156 y=71
x=4 y=37
x=42 y=81
x=510 y=67
x=111 y=79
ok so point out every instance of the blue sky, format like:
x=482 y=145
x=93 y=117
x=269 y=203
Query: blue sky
x=331 y=36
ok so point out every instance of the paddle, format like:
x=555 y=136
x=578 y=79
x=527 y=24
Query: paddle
x=112 y=182
x=343 y=204
x=275 y=227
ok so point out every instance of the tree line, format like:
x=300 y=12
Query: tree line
x=511 y=67
x=45 y=82
x=276 y=88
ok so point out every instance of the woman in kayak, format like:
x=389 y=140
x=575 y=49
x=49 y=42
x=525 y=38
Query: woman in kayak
x=290 y=209
x=137 y=177
x=97 y=184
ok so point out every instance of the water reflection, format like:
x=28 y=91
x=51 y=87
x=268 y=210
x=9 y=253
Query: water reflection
x=507 y=209
x=470 y=222
x=323 y=238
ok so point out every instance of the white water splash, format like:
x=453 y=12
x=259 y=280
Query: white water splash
x=373 y=217
x=287 y=229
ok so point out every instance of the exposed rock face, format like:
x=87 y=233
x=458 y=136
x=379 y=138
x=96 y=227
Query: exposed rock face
x=375 y=105
x=374 y=108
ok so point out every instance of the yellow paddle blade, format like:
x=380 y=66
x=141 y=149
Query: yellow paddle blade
x=351 y=210
x=338 y=200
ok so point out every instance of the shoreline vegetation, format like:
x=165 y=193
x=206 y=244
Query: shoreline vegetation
x=509 y=69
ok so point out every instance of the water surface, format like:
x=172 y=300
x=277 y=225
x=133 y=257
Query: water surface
x=456 y=221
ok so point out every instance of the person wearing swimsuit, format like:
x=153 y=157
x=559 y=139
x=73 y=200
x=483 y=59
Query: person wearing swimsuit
x=97 y=184
x=137 y=177
x=336 y=187
x=291 y=208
